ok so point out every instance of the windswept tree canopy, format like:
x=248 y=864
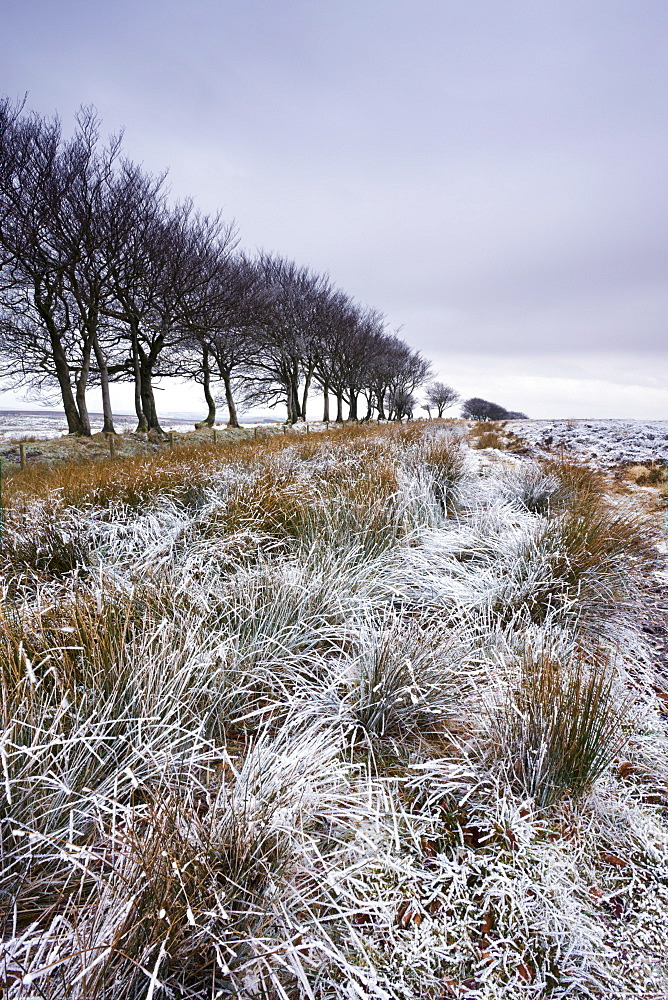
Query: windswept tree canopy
x=103 y=280
x=440 y=397
x=481 y=409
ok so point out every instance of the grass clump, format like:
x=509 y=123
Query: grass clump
x=488 y=434
x=650 y=474
x=399 y=688
x=445 y=458
x=41 y=541
x=559 y=725
x=576 y=564
x=530 y=487
x=579 y=557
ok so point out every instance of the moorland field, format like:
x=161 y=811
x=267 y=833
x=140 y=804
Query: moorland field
x=376 y=712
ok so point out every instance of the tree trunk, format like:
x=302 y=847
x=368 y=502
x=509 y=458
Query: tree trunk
x=63 y=373
x=210 y=402
x=81 y=383
x=325 y=406
x=108 y=424
x=307 y=386
x=339 y=407
x=380 y=405
x=229 y=399
x=292 y=403
x=69 y=403
x=296 y=407
x=142 y=426
x=148 y=401
x=352 y=410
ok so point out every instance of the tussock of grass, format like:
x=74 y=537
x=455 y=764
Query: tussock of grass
x=531 y=488
x=400 y=685
x=576 y=563
x=650 y=474
x=488 y=434
x=445 y=458
x=560 y=724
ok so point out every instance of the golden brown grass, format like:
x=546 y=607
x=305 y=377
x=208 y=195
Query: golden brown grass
x=487 y=434
x=135 y=479
x=587 y=546
x=78 y=646
x=651 y=474
x=578 y=482
x=560 y=724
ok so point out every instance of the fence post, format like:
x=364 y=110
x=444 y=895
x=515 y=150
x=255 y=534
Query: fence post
x=22 y=455
x=255 y=432
x=171 y=439
x=215 y=436
x=112 y=446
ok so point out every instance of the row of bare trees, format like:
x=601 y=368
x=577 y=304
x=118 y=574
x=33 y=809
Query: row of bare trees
x=103 y=279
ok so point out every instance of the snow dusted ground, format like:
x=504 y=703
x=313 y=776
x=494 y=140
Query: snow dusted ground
x=609 y=442
x=43 y=424
x=381 y=619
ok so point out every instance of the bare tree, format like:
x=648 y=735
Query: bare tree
x=222 y=325
x=410 y=370
x=55 y=274
x=338 y=349
x=440 y=397
x=41 y=343
x=481 y=409
x=134 y=213
x=403 y=404
x=387 y=355
x=292 y=327
x=102 y=280
x=157 y=274
x=81 y=229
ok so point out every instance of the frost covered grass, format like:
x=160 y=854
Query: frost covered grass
x=560 y=723
x=358 y=714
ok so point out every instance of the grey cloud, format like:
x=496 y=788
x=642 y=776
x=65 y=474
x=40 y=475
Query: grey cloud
x=489 y=174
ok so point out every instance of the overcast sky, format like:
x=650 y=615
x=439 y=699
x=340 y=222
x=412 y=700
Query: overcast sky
x=491 y=174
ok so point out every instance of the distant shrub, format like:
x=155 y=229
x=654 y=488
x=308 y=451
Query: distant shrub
x=481 y=409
